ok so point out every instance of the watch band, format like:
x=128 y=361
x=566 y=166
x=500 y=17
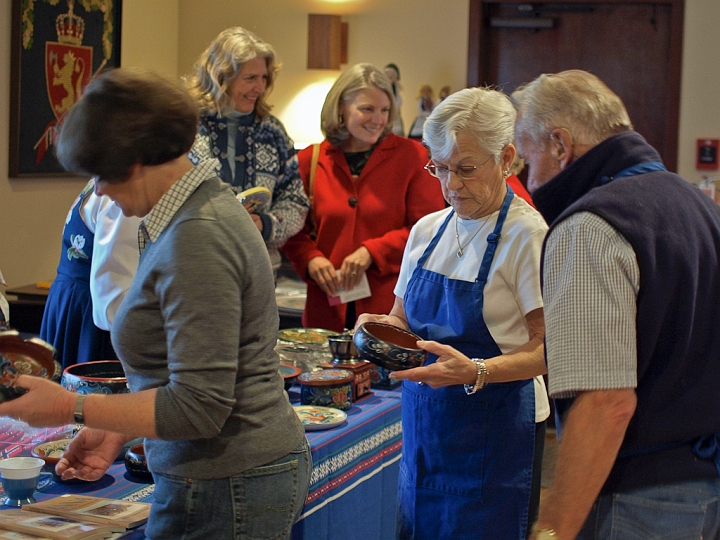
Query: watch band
x=78 y=413
x=470 y=389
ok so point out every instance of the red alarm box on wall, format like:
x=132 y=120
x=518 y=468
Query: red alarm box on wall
x=707 y=154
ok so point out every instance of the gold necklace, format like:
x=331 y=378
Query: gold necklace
x=461 y=248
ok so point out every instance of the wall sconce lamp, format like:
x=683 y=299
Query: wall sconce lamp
x=327 y=42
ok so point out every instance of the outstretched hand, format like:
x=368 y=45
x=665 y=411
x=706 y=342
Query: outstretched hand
x=89 y=454
x=452 y=367
x=45 y=403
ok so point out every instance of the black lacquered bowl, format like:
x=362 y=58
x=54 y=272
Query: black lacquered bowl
x=136 y=463
x=388 y=346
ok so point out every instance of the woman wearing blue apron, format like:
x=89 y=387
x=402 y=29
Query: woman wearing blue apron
x=469 y=286
x=98 y=260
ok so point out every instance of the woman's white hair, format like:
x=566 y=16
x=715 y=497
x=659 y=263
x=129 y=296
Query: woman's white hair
x=574 y=100
x=487 y=114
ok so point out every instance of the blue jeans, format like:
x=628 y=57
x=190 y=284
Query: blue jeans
x=682 y=511
x=259 y=504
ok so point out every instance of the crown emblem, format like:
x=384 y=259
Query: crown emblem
x=70 y=27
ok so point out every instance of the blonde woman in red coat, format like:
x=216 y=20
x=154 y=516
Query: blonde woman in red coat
x=369 y=189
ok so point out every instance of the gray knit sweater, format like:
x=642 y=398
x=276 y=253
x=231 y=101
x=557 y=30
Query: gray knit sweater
x=199 y=323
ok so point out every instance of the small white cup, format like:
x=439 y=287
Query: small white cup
x=20 y=476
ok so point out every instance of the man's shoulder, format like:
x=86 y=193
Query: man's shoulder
x=579 y=222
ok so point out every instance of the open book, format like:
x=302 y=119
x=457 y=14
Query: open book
x=255 y=199
x=112 y=512
x=55 y=527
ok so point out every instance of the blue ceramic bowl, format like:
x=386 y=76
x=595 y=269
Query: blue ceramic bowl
x=100 y=377
x=388 y=346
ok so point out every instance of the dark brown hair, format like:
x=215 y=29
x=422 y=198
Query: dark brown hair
x=126 y=117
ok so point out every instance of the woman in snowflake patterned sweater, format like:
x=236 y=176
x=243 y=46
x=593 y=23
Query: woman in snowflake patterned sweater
x=231 y=82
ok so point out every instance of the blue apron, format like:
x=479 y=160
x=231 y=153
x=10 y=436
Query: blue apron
x=67 y=322
x=466 y=468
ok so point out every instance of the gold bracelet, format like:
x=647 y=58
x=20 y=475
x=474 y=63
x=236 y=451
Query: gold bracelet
x=470 y=389
x=537 y=533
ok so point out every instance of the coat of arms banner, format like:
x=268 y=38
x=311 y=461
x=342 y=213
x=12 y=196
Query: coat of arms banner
x=57 y=47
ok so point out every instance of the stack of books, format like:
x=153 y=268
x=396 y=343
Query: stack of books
x=73 y=517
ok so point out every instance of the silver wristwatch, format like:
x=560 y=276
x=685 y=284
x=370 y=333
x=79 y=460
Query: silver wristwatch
x=480 y=381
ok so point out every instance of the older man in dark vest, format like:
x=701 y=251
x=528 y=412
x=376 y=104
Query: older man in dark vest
x=631 y=285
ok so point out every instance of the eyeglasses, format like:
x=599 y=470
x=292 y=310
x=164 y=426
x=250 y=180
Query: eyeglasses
x=464 y=172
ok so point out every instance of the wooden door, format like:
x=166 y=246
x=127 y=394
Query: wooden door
x=634 y=46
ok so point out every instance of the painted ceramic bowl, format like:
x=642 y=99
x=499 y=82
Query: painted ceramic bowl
x=388 y=346
x=327 y=388
x=289 y=373
x=100 y=377
x=26 y=357
x=380 y=378
x=136 y=464
x=51 y=451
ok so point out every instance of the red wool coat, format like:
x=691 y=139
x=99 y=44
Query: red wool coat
x=377 y=211
x=519 y=189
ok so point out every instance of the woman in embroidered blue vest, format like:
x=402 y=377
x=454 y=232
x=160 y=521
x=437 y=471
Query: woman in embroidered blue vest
x=97 y=264
x=231 y=82
x=473 y=430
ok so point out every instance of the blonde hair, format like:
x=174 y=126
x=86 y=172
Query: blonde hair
x=345 y=88
x=221 y=62
x=574 y=100
x=488 y=115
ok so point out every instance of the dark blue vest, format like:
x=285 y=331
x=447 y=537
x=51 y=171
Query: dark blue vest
x=674 y=230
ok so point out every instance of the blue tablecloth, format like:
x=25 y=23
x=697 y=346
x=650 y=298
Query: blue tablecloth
x=353 y=486
x=353 y=489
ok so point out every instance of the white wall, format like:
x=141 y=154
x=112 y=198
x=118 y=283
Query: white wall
x=427 y=39
x=700 y=92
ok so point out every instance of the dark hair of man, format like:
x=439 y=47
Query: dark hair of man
x=126 y=117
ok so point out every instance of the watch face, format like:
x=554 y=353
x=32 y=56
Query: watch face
x=545 y=535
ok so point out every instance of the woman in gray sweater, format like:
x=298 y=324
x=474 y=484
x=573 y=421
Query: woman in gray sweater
x=195 y=333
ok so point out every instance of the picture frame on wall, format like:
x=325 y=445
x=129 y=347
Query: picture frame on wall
x=57 y=46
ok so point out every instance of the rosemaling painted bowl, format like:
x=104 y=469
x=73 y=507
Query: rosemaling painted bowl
x=380 y=378
x=100 y=377
x=388 y=346
x=327 y=388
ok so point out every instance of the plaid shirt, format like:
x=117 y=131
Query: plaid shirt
x=152 y=226
x=591 y=281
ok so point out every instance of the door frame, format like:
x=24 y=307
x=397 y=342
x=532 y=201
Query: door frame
x=478 y=69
